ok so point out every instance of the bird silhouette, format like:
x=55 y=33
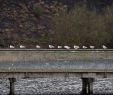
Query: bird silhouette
x=51 y=46
x=59 y=47
x=11 y=46
x=21 y=46
x=104 y=47
x=37 y=46
x=84 y=47
x=67 y=47
x=92 y=47
x=76 y=47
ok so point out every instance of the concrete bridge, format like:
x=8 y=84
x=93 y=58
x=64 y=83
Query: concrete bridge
x=38 y=63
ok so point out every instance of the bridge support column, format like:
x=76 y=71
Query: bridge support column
x=87 y=86
x=12 y=86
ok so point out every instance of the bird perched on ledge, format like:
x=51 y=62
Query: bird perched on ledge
x=92 y=47
x=76 y=47
x=59 y=47
x=11 y=46
x=38 y=47
x=51 y=46
x=67 y=47
x=84 y=47
x=21 y=46
x=104 y=47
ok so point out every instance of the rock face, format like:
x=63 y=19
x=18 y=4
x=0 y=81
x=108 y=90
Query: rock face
x=55 y=86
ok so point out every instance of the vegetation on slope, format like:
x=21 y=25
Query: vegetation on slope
x=82 y=26
x=39 y=22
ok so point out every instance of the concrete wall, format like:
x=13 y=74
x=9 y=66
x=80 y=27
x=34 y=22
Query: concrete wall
x=54 y=55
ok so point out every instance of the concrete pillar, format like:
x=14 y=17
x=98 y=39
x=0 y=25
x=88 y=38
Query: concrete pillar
x=12 y=86
x=84 y=85
x=90 y=86
x=87 y=86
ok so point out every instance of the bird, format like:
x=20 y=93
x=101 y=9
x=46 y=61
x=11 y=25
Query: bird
x=37 y=46
x=76 y=47
x=67 y=47
x=21 y=46
x=11 y=46
x=92 y=47
x=51 y=46
x=104 y=47
x=84 y=47
x=59 y=47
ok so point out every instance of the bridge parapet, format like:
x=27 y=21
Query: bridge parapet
x=85 y=63
x=54 y=55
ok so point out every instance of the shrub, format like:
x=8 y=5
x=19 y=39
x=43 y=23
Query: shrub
x=80 y=26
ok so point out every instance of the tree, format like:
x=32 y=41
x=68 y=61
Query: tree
x=80 y=26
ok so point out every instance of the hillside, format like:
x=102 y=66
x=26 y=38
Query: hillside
x=21 y=24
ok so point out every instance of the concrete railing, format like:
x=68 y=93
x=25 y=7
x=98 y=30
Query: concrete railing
x=53 y=54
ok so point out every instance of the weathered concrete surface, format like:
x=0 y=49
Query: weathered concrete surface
x=46 y=55
x=44 y=63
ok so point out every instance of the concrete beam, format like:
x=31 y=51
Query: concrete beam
x=22 y=75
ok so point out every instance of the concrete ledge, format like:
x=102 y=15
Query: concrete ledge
x=55 y=70
x=19 y=75
x=18 y=49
